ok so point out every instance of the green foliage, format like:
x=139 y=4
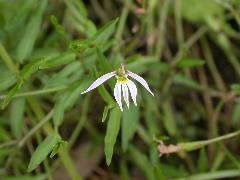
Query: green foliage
x=26 y=44
x=43 y=149
x=129 y=125
x=113 y=127
x=62 y=59
x=16 y=116
x=186 y=50
x=186 y=63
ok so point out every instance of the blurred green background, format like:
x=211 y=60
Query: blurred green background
x=187 y=50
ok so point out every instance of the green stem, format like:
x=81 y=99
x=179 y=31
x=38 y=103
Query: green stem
x=190 y=146
x=214 y=175
x=37 y=92
x=121 y=24
x=10 y=143
x=37 y=127
x=162 y=25
x=81 y=122
x=179 y=26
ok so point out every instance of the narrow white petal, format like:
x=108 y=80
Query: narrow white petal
x=125 y=94
x=133 y=91
x=99 y=81
x=117 y=94
x=140 y=80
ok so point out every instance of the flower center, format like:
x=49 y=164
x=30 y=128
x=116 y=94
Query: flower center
x=121 y=74
x=122 y=79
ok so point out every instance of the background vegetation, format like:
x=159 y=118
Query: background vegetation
x=187 y=50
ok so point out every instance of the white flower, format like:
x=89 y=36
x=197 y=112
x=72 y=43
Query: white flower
x=123 y=85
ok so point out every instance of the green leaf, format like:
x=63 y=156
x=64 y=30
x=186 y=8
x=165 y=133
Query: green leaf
x=103 y=62
x=79 y=12
x=105 y=33
x=129 y=125
x=106 y=110
x=169 y=119
x=158 y=172
x=203 y=10
x=58 y=111
x=20 y=15
x=57 y=147
x=16 y=116
x=26 y=44
x=113 y=127
x=57 y=26
x=31 y=68
x=187 y=63
x=62 y=59
x=202 y=164
x=43 y=149
x=10 y=94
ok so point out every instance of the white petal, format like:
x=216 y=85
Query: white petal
x=117 y=95
x=133 y=91
x=140 y=80
x=125 y=94
x=99 y=81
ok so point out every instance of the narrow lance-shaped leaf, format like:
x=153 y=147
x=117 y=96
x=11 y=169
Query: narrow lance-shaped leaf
x=169 y=121
x=202 y=163
x=30 y=35
x=57 y=25
x=105 y=33
x=129 y=125
x=106 y=110
x=58 y=111
x=10 y=94
x=16 y=116
x=43 y=149
x=113 y=127
x=62 y=59
x=187 y=63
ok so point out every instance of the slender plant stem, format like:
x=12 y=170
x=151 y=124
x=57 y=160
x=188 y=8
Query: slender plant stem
x=161 y=27
x=179 y=27
x=81 y=121
x=121 y=24
x=37 y=92
x=36 y=128
x=189 y=146
x=9 y=143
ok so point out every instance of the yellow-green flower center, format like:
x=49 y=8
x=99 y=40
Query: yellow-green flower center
x=121 y=74
x=122 y=79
